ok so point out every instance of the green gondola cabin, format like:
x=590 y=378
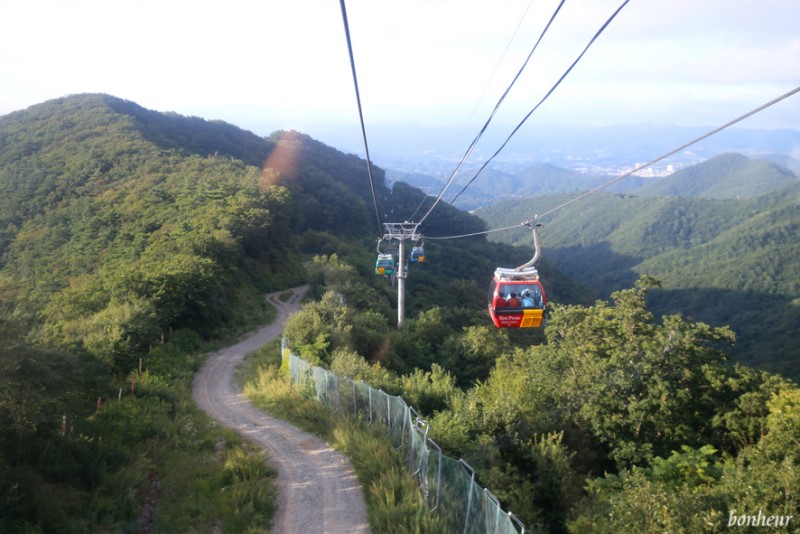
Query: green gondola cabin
x=384 y=266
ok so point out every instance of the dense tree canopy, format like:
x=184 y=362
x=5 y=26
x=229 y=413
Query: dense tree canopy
x=649 y=408
x=731 y=261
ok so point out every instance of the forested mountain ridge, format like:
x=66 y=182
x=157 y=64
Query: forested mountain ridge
x=128 y=236
x=724 y=176
x=117 y=218
x=495 y=184
x=119 y=223
x=81 y=145
x=723 y=261
x=729 y=175
x=43 y=146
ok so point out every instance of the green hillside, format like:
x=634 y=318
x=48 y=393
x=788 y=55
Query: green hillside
x=108 y=209
x=724 y=176
x=114 y=218
x=131 y=241
x=128 y=238
x=723 y=261
x=495 y=183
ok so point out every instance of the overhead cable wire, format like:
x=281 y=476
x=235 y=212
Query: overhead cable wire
x=473 y=234
x=634 y=170
x=500 y=61
x=486 y=87
x=360 y=115
x=491 y=116
x=546 y=96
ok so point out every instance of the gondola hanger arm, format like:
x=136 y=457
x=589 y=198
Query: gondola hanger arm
x=537 y=249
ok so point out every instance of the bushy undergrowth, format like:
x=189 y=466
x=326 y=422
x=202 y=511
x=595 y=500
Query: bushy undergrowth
x=133 y=461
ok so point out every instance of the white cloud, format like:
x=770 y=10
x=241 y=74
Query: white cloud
x=422 y=60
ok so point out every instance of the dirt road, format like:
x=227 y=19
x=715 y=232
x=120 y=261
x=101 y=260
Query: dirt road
x=319 y=492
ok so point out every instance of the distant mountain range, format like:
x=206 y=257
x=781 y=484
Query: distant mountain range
x=435 y=151
x=728 y=175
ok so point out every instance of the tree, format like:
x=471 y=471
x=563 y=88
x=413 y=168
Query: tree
x=642 y=388
x=471 y=353
x=319 y=328
x=429 y=391
x=694 y=490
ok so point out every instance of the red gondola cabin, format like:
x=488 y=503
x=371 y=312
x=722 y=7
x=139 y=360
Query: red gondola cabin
x=517 y=299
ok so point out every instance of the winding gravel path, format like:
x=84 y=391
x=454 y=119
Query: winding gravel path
x=318 y=489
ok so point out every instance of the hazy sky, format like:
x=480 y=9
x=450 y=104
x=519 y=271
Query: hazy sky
x=270 y=64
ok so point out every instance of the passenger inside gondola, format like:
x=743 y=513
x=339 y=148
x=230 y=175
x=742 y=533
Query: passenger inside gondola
x=499 y=301
x=531 y=297
x=527 y=300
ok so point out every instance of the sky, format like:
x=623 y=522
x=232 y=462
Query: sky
x=265 y=65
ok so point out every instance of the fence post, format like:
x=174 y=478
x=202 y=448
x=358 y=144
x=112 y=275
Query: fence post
x=496 y=502
x=327 y=390
x=421 y=422
x=466 y=466
x=369 y=394
x=438 y=473
x=338 y=394
x=355 y=406
x=389 y=415
x=406 y=418
x=516 y=520
x=411 y=429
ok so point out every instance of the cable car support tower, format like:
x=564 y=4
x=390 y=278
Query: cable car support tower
x=401 y=232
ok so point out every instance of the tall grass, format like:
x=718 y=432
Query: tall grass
x=394 y=501
x=250 y=492
x=207 y=477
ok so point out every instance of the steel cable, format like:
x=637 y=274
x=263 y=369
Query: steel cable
x=360 y=115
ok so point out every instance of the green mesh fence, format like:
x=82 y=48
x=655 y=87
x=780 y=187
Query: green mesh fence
x=448 y=485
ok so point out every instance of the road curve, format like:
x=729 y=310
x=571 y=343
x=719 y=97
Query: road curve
x=318 y=490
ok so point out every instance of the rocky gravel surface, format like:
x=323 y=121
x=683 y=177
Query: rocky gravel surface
x=319 y=492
